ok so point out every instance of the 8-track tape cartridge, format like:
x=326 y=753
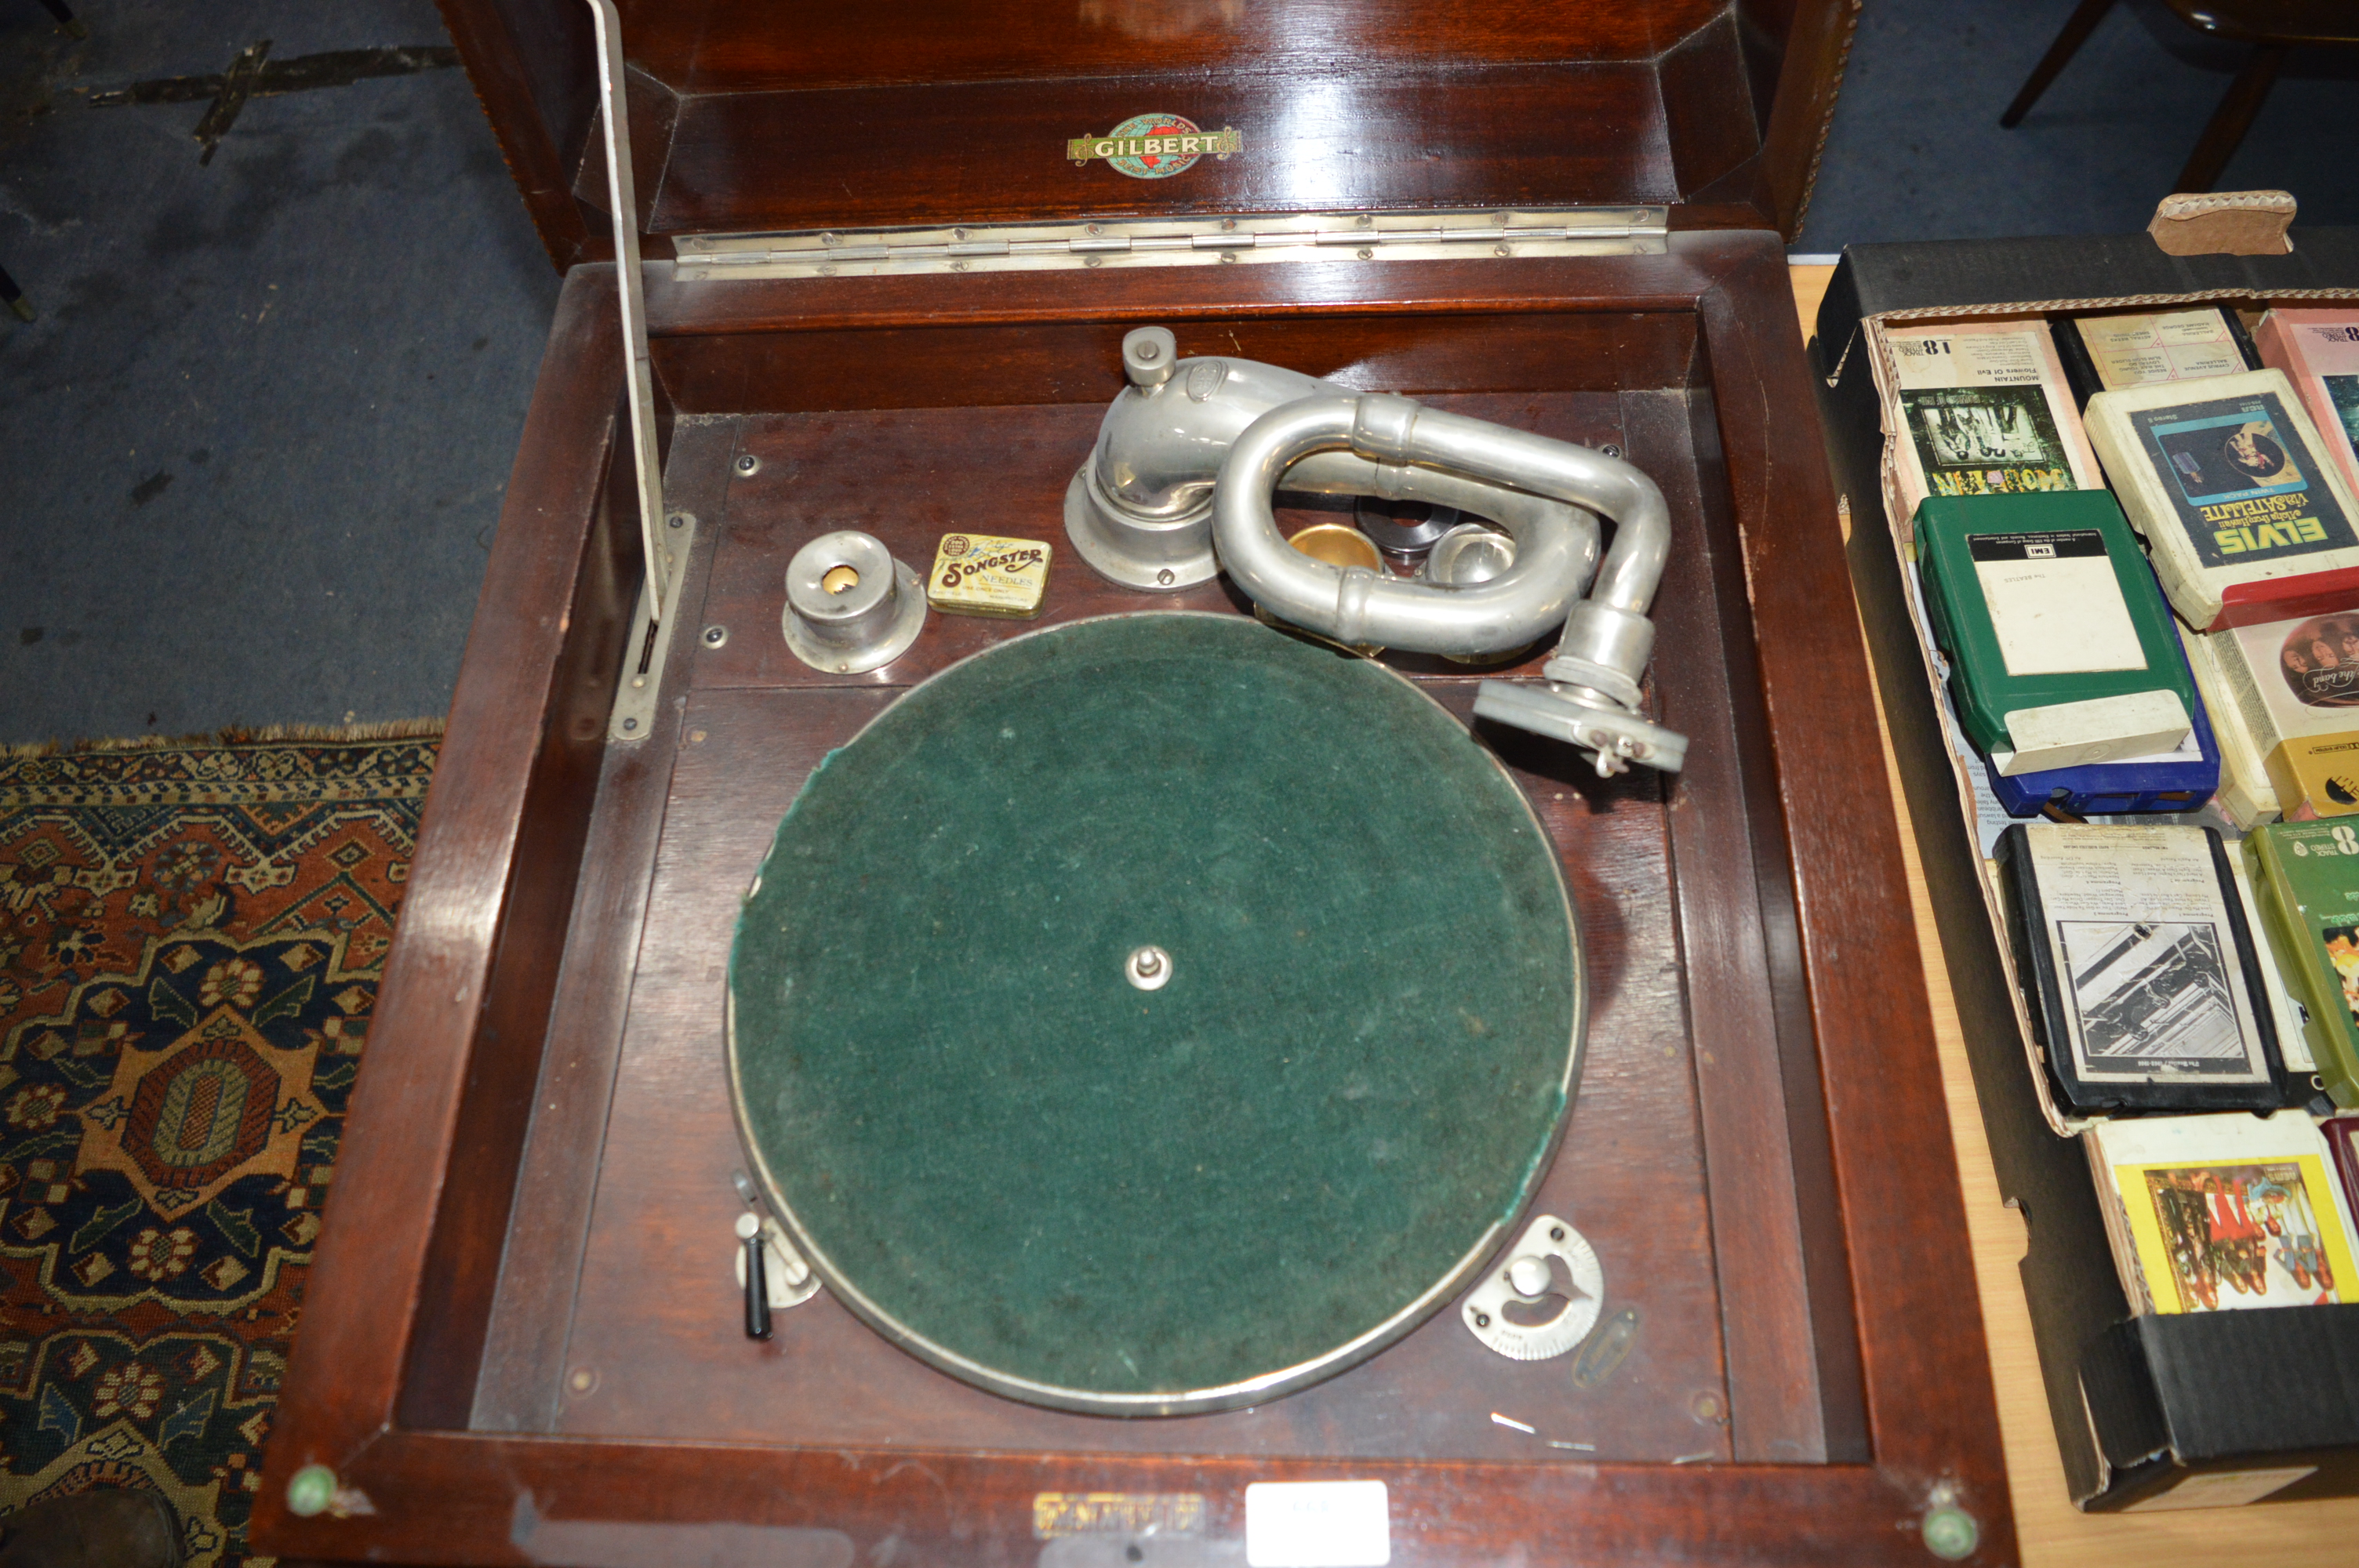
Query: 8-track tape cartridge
x=2061 y=652
x=2168 y=781
x=2138 y=970
x=2306 y=886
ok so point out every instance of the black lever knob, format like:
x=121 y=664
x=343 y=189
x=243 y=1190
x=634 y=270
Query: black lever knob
x=758 y=1278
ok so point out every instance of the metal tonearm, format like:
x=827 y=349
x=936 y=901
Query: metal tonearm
x=1178 y=488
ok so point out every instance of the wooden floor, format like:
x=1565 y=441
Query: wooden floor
x=2055 y=1534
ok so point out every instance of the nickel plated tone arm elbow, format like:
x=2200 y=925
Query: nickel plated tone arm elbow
x=1240 y=431
x=1140 y=510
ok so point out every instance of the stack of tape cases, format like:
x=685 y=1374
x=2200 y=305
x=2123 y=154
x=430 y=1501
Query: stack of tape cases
x=2233 y=1406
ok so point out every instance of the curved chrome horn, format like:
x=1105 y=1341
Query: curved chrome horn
x=1591 y=696
x=1141 y=511
x=1353 y=604
x=1179 y=487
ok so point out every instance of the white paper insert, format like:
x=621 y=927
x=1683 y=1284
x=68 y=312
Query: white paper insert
x=1318 y=1524
x=2060 y=616
x=2100 y=730
x=2221 y=1489
x=1947 y=357
x=2179 y=345
x=2293 y=1045
x=2330 y=349
x=2134 y=913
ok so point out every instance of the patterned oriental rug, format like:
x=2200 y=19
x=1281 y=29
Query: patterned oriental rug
x=191 y=939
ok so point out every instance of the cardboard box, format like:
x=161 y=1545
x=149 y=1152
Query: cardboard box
x=2232 y=1407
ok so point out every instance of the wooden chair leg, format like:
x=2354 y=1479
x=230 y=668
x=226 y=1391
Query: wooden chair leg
x=2077 y=29
x=13 y=297
x=65 y=19
x=2232 y=119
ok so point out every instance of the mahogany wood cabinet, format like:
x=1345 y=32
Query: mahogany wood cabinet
x=785 y=115
x=522 y=1340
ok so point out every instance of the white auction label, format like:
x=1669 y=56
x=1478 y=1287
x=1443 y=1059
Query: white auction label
x=1318 y=1524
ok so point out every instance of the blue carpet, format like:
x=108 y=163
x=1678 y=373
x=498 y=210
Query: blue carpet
x=256 y=441
x=257 y=438
x=1916 y=152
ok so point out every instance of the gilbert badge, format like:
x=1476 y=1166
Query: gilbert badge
x=975 y=574
x=1155 y=146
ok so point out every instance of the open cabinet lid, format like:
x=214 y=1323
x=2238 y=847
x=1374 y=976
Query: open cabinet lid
x=803 y=116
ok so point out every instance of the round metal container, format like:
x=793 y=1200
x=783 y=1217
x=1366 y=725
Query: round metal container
x=1470 y=553
x=1338 y=545
x=1404 y=528
x=851 y=607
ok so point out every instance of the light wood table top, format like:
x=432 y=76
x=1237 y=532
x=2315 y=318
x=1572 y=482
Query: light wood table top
x=2054 y=1533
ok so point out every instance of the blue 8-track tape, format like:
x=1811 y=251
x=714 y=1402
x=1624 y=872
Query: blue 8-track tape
x=2118 y=788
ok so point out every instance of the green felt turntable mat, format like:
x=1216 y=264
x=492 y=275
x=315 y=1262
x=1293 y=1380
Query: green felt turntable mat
x=1040 y=1177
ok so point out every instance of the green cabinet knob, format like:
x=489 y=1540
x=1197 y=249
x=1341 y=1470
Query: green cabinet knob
x=1951 y=1534
x=310 y=1490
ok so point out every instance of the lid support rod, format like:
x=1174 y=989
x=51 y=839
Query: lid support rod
x=637 y=374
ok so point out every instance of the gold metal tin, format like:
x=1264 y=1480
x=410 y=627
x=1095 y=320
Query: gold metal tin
x=975 y=574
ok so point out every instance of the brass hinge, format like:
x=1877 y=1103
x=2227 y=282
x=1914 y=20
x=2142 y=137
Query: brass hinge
x=1177 y=242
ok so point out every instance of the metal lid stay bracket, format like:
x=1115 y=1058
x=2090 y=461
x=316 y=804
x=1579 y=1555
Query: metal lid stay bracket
x=665 y=537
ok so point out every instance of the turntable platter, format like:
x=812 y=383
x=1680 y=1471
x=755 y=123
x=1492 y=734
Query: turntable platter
x=1154 y=1013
